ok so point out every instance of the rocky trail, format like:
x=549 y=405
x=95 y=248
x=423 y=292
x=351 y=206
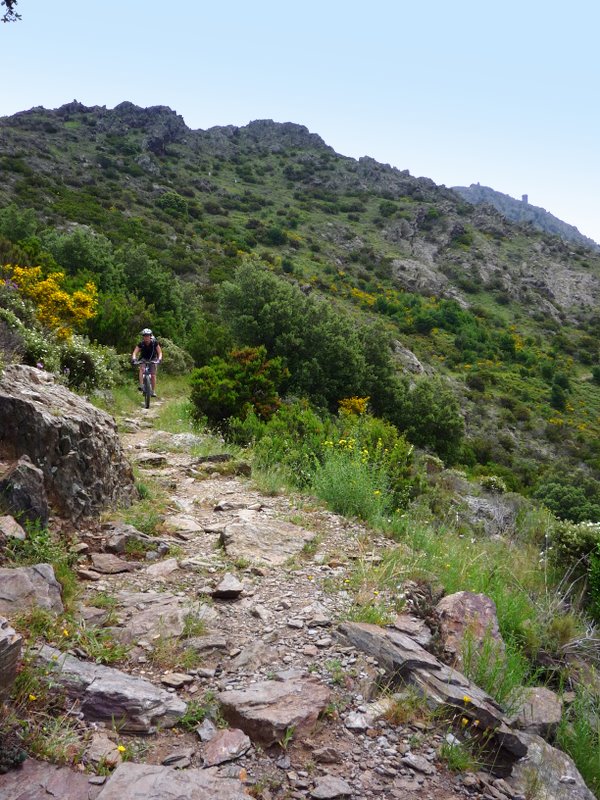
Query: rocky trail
x=235 y=620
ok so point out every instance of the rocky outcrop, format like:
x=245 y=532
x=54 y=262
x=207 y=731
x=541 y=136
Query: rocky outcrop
x=11 y=644
x=406 y=662
x=74 y=444
x=22 y=588
x=104 y=693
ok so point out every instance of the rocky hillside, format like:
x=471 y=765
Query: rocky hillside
x=160 y=217
x=522 y=212
x=220 y=657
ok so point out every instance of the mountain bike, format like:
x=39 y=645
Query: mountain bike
x=146 y=380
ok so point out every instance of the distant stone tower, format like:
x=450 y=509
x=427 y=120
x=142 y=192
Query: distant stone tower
x=525 y=198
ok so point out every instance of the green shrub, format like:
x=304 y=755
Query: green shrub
x=230 y=387
x=574 y=541
x=176 y=360
x=173 y=203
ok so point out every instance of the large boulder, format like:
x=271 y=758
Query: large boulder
x=22 y=588
x=22 y=492
x=75 y=445
x=37 y=780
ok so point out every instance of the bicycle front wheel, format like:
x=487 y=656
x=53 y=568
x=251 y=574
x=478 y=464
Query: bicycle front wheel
x=147 y=391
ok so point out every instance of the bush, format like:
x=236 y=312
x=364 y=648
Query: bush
x=231 y=387
x=573 y=542
x=176 y=360
x=431 y=418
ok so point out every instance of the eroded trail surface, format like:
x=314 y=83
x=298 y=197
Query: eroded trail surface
x=234 y=612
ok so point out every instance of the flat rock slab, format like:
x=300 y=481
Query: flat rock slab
x=109 y=564
x=22 y=588
x=151 y=460
x=225 y=746
x=147 y=782
x=11 y=644
x=182 y=523
x=261 y=540
x=162 y=569
x=134 y=704
x=37 y=780
x=157 y=614
x=329 y=787
x=266 y=710
x=415 y=628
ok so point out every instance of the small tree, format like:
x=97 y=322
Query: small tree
x=230 y=387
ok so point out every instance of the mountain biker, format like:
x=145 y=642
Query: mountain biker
x=148 y=350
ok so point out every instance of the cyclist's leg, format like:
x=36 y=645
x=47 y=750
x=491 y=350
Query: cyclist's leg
x=153 y=377
x=141 y=376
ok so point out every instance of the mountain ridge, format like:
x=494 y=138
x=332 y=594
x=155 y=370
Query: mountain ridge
x=521 y=211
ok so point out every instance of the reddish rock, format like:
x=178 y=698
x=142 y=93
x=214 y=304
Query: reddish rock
x=226 y=746
x=465 y=614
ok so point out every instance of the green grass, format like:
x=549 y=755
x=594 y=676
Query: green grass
x=579 y=735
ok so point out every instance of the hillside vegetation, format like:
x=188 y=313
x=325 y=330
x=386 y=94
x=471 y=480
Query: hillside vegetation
x=414 y=361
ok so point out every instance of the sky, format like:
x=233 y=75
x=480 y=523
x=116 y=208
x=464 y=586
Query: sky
x=504 y=94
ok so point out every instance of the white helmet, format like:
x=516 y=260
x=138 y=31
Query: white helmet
x=146 y=332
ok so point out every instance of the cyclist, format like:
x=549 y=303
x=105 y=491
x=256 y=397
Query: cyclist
x=147 y=350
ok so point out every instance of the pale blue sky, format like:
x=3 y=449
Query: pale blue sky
x=501 y=93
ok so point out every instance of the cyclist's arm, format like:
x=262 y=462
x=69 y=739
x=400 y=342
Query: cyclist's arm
x=158 y=352
x=135 y=354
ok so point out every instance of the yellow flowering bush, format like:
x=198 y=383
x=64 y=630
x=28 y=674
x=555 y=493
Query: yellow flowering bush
x=56 y=308
x=354 y=406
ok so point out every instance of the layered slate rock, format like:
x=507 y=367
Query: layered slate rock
x=406 y=662
x=261 y=540
x=104 y=693
x=22 y=492
x=76 y=446
x=22 y=588
x=267 y=709
x=553 y=771
x=134 y=781
x=37 y=780
x=11 y=644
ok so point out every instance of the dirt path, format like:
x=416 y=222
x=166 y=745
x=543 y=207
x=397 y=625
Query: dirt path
x=282 y=623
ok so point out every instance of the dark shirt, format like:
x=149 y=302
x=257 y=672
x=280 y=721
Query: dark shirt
x=148 y=351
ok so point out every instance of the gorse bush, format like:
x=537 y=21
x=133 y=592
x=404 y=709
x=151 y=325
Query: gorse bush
x=57 y=309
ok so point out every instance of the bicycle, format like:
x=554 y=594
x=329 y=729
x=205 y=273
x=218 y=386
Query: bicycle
x=146 y=380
